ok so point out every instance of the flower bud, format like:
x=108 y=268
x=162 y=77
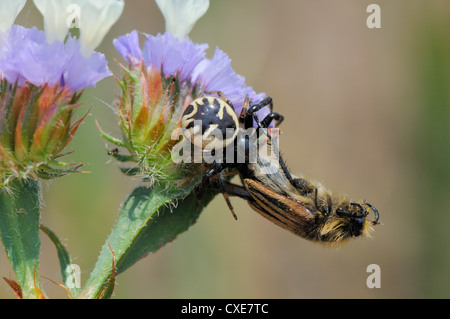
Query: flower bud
x=40 y=89
x=36 y=124
x=161 y=80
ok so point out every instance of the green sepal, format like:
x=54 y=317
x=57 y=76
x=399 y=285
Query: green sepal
x=110 y=138
x=130 y=171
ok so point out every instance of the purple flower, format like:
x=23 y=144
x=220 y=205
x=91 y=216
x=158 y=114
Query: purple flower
x=186 y=59
x=27 y=57
x=172 y=55
x=164 y=52
x=82 y=72
x=128 y=47
x=218 y=75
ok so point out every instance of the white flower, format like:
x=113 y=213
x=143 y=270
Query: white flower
x=56 y=15
x=181 y=15
x=97 y=17
x=93 y=17
x=9 y=9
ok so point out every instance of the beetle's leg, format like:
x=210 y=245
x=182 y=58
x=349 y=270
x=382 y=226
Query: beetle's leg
x=303 y=186
x=348 y=213
x=375 y=211
x=343 y=213
x=316 y=201
x=362 y=212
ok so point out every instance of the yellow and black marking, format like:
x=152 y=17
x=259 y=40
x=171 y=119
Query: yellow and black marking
x=213 y=118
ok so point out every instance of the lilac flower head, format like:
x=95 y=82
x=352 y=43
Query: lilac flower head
x=172 y=55
x=128 y=47
x=218 y=75
x=83 y=72
x=186 y=60
x=26 y=56
x=159 y=83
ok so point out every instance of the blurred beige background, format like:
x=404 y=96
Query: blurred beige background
x=367 y=113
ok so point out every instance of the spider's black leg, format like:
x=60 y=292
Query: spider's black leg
x=216 y=170
x=276 y=151
x=244 y=111
x=223 y=189
x=222 y=96
x=239 y=191
x=270 y=117
x=205 y=182
x=265 y=123
x=251 y=112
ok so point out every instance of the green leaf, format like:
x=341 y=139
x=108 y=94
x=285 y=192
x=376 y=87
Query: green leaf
x=144 y=225
x=163 y=228
x=65 y=261
x=19 y=232
x=138 y=209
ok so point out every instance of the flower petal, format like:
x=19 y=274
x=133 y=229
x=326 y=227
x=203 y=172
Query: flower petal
x=9 y=9
x=181 y=15
x=170 y=55
x=56 y=16
x=97 y=17
x=83 y=72
x=26 y=56
x=128 y=47
x=218 y=75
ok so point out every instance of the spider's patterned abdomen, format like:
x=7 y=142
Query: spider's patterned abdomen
x=213 y=119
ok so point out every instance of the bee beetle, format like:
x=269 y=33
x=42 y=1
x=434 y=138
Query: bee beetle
x=298 y=205
x=302 y=206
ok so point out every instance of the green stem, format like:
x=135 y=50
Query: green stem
x=146 y=223
x=19 y=232
x=140 y=206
